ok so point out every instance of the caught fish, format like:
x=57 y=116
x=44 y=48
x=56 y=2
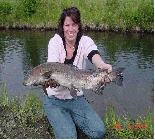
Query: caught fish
x=71 y=77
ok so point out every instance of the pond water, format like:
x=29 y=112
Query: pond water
x=20 y=51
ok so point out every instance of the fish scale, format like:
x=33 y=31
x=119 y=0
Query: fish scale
x=71 y=77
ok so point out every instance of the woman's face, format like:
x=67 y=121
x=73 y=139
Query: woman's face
x=70 y=29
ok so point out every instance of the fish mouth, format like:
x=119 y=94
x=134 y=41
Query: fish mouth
x=24 y=84
x=27 y=83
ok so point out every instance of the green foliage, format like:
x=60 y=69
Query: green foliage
x=18 y=114
x=29 y=6
x=141 y=16
x=5 y=8
x=31 y=110
x=125 y=127
x=5 y=11
x=28 y=112
x=147 y=14
x=4 y=98
x=96 y=14
x=23 y=118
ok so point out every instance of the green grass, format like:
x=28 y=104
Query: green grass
x=116 y=15
x=125 y=127
x=25 y=118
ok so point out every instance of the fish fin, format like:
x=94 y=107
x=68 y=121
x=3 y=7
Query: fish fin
x=47 y=75
x=73 y=66
x=99 y=89
x=45 y=91
x=73 y=93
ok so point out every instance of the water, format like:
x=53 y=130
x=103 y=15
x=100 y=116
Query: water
x=20 y=51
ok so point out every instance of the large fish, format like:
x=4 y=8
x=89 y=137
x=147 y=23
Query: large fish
x=71 y=77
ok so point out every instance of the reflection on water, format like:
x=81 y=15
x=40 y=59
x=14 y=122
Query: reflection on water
x=20 y=51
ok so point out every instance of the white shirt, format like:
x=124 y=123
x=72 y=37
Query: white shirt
x=57 y=53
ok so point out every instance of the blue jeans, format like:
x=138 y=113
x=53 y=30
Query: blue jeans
x=63 y=115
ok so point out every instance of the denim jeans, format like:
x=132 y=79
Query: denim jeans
x=63 y=115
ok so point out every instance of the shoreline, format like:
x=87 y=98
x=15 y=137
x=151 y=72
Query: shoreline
x=100 y=16
x=115 y=30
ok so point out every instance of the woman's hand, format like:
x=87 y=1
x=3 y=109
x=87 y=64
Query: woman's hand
x=97 y=60
x=107 y=67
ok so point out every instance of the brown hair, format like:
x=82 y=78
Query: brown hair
x=74 y=13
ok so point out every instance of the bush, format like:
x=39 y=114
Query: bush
x=5 y=11
x=29 y=6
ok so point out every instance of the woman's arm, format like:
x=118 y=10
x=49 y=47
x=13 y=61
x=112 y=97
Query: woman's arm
x=99 y=63
x=54 y=49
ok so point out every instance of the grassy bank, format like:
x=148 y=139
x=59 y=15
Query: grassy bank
x=26 y=119
x=104 y=15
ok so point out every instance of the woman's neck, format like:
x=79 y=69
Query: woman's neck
x=70 y=43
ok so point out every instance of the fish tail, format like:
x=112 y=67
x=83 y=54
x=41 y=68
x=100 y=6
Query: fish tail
x=119 y=76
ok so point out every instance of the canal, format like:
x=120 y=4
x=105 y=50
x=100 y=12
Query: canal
x=20 y=51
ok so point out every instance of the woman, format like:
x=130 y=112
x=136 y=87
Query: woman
x=70 y=46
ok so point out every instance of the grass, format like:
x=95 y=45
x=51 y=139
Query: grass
x=115 y=15
x=27 y=120
x=24 y=119
x=125 y=127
